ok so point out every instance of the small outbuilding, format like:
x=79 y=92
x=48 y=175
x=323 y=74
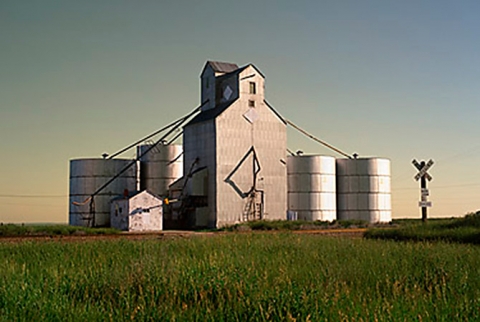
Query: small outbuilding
x=141 y=211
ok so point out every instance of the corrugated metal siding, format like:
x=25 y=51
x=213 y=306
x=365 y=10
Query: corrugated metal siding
x=199 y=142
x=235 y=137
x=222 y=140
x=364 y=189
x=160 y=167
x=86 y=176
x=312 y=187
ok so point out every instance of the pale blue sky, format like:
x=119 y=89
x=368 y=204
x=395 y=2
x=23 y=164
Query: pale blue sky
x=396 y=79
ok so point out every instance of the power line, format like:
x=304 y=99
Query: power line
x=31 y=205
x=444 y=186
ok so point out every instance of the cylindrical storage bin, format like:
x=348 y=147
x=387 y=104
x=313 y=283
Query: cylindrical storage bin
x=311 y=187
x=363 y=189
x=159 y=167
x=86 y=176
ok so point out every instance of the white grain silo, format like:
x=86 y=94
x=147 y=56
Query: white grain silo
x=237 y=148
x=159 y=167
x=86 y=176
x=363 y=189
x=311 y=187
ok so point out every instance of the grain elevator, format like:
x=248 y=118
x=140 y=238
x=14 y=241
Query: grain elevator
x=233 y=166
x=236 y=145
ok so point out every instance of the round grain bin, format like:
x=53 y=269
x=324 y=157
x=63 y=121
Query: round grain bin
x=159 y=167
x=86 y=176
x=311 y=187
x=363 y=189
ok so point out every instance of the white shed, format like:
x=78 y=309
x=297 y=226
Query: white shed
x=139 y=212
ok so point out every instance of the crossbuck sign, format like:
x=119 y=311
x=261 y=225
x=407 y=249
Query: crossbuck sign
x=422 y=174
x=422 y=170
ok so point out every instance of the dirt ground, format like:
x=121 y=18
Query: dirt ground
x=173 y=234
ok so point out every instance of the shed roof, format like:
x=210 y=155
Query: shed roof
x=219 y=109
x=210 y=114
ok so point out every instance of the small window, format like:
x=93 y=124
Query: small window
x=207 y=83
x=253 y=88
x=251 y=103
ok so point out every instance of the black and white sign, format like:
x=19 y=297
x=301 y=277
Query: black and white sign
x=422 y=171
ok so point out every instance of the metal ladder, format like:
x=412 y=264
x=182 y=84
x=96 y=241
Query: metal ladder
x=252 y=209
x=248 y=206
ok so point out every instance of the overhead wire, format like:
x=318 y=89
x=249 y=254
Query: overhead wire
x=331 y=147
x=445 y=186
x=290 y=152
x=172 y=126
x=144 y=139
x=175 y=138
x=30 y=205
x=176 y=123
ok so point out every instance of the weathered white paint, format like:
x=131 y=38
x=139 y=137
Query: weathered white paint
x=140 y=212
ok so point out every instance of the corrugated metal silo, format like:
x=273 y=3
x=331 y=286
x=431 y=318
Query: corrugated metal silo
x=311 y=187
x=363 y=189
x=160 y=167
x=86 y=176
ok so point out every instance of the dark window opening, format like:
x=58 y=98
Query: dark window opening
x=251 y=103
x=253 y=88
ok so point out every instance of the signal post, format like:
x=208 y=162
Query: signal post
x=423 y=176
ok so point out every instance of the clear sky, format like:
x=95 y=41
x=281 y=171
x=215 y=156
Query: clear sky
x=395 y=79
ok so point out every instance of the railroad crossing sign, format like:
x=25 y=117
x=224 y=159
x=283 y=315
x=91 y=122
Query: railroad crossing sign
x=424 y=203
x=423 y=176
x=422 y=169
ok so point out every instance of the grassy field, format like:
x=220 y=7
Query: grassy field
x=279 y=225
x=239 y=277
x=11 y=230
x=460 y=230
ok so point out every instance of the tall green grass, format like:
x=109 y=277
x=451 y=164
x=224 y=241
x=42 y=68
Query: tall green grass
x=295 y=225
x=460 y=230
x=239 y=277
x=11 y=230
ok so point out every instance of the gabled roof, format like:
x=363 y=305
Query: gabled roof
x=211 y=114
x=222 y=67
x=228 y=75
